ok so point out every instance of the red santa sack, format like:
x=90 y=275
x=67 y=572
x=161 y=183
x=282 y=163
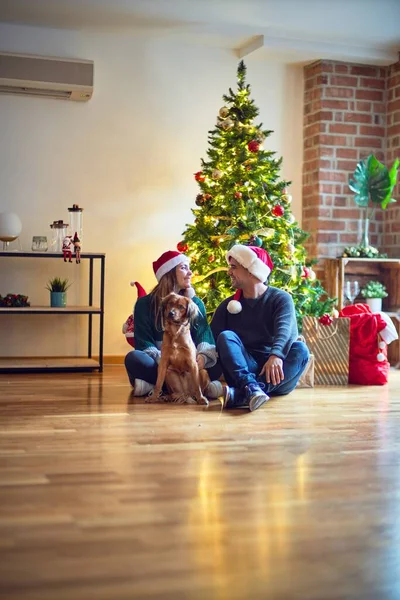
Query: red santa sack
x=368 y=364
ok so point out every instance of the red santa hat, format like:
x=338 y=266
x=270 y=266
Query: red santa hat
x=257 y=261
x=140 y=289
x=168 y=261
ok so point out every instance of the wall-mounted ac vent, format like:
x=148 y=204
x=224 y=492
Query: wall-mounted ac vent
x=61 y=78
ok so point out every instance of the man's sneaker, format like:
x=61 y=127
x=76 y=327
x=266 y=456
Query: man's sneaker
x=255 y=396
x=214 y=390
x=142 y=388
x=233 y=398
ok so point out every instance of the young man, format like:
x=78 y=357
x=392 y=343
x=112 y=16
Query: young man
x=256 y=333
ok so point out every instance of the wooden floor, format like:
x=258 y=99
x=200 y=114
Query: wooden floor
x=102 y=496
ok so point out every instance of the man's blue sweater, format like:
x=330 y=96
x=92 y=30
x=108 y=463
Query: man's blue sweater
x=266 y=325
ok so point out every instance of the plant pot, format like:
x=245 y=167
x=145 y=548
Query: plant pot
x=58 y=299
x=375 y=304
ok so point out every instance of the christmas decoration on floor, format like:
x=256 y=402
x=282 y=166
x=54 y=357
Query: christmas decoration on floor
x=242 y=200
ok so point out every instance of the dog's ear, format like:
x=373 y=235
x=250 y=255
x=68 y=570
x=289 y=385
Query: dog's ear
x=192 y=311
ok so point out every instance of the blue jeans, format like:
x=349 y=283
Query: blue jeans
x=140 y=365
x=241 y=368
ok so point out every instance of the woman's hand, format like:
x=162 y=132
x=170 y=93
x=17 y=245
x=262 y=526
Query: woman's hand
x=273 y=370
x=200 y=361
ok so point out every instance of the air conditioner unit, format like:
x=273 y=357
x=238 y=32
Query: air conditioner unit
x=61 y=78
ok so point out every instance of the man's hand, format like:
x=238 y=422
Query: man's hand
x=200 y=361
x=273 y=370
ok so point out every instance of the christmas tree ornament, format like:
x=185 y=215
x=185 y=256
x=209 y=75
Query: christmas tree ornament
x=200 y=199
x=227 y=124
x=335 y=313
x=290 y=248
x=278 y=210
x=223 y=112
x=207 y=196
x=312 y=275
x=211 y=258
x=287 y=198
x=260 y=137
x=253 y=146
x=238 y=195
x=255 y=241
x=325 y=319
x=216 y=174
x=199 y=176
x=307 y=273
x=291 y=219
x=182 y=247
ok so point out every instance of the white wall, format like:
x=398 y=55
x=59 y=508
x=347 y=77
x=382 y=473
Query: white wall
x=127 y=156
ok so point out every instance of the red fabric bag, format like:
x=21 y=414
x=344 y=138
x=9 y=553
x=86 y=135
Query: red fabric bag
x=368 y=364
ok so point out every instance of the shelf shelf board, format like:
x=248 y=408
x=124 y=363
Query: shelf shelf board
x=48 y=254
x=51 y=363
x=365 y=260
x=37 y=310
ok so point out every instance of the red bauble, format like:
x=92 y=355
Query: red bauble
x=199 y=176
x=307 y=272
x=238 y=194
x=278 y=210
x=182 y=247
x=326 y=319
x=211 y=258
x=253 y=146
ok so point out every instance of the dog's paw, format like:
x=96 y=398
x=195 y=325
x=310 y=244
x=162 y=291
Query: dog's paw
x=203 y=401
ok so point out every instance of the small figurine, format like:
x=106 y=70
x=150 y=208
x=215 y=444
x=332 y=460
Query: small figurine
x=77 y=248
x=67 y=248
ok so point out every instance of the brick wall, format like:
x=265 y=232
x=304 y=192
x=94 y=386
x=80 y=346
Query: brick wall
x=344 y=121
x=392 y=215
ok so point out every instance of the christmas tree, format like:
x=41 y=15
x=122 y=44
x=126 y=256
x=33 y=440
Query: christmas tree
x=242 y=200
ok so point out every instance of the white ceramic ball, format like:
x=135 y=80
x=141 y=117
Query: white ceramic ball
x=380 y=357
x=10 y=226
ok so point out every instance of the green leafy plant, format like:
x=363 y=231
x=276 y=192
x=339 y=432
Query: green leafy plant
x=58 y=285
x=373 y=183
x=374 y=289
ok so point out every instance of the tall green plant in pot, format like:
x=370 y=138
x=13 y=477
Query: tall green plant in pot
x=373 y=186
x=58 y=291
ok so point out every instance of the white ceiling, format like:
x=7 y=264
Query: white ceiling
x=290 y=30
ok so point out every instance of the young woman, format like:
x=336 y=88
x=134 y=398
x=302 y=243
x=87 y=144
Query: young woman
x=173 y=274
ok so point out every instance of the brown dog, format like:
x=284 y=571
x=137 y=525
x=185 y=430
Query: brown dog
x=178 y=366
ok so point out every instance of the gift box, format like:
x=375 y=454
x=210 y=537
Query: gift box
x=330 y=346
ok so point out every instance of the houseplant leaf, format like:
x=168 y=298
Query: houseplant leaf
x=371 y=180
x=393 y=181
x=378 y=180
x=359 y=185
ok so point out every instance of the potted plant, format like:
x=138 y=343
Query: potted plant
x=373 y=185
x=373 y=293
x=58 y=291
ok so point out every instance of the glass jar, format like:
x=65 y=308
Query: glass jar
x=59 y=230
x=76 y=222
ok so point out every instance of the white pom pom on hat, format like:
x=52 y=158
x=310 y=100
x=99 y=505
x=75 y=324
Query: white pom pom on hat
x=234 y=306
